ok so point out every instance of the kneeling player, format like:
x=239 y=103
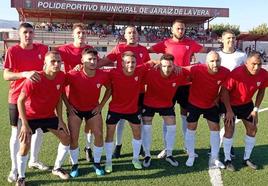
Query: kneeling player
x=83 y=103
x=206 y=81
x=161 y=88
x=36 y=104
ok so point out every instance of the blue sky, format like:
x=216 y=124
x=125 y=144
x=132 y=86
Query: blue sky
x=246 y=14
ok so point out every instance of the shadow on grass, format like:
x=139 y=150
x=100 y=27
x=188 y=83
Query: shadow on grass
x=159 y=167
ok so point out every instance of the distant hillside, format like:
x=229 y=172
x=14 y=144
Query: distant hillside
x=8 y=24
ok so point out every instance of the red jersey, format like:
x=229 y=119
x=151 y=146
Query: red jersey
x=205 y=86
x=84 y=91
x=182 y=50
x=242 y=86
x=18 y=59
x=161 y=90
x=71 y=55
x=126 y=90
x=141 y=52
x=43 y=96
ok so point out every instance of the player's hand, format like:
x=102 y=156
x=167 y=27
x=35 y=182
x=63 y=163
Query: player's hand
x=97 y=110
x=71 y=110
x=62 y=126
x=254 y=115
x=229 y=118
x=25 y=134
x=31 y=75
x=78 y=67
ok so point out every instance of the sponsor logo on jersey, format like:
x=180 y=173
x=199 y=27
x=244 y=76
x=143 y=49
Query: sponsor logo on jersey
x=258 y=83
x=136 y=78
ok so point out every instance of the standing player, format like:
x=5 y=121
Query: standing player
x=71 y=55
x=126 y=84
x=206 y=82
x=158 y=101
x=83 y=103
x=182 y=48
x=142 y=56
x=37 y=103
x=21 y=62
x=237 y=93
x=230 y=58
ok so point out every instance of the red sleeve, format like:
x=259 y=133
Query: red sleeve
x=112 y=55
x=146 y=56
x=9 y=60
x=159 y=47
x=229 y=83
x=265 y=83
x=28 y=87
x=196 y=47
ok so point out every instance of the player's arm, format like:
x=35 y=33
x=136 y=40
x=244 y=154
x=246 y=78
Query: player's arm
x=9 y=75
x=106 y=96
x=225 y=98
x=259 y=98
x=61 y=125
x=70 y=109
x=103 y=62
x=25 y=132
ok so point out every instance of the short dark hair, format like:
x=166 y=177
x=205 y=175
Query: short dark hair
x=26 y=25
x=227 y=32
x=79 y=25
x=178 y=21
x=90 y=51
x=128 y=53
x=255 y=54
x=168 y=57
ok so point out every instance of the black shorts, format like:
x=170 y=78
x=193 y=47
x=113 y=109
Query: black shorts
x=13 y=114
x=181 y=96
x=240 y=111
x=211 y=114
x=44 y=124
x=83 y=114
x=114 y=117
x=150 y=111
x=140 y=101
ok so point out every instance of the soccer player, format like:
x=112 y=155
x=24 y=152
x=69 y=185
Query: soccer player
x=182 y=48
x=142 y=56
x=237 y=93
x=158 y=101
x=126 y=84
x=83 y=103
x=230 y=59
x=21 y=62
x=71 y=55
x=206 y=82
x=37 y=103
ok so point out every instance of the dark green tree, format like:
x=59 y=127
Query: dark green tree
x=220 y=28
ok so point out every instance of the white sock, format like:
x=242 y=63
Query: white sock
x=74 y=154
x=227 y=144
x=147 y=139
x=119 y=131
x=184 y=126
x=136 y=145
x=249 y=145
x=97 y=151
x=14 y=146
x=190 y=142
x=62 y=153
x=164 y=133
x=89 y=140
x=170 y=138
x=109 y=151
x=22 y=162
x=222 y=131
x=36 y=142
x=215 y=144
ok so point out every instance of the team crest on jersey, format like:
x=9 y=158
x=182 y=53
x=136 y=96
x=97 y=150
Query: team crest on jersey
x=219 y=82
x=136 y=78
x=141 y=55
x=258 y=83
x=58 y=87
x=98 y=85
x=187 y=47
x=173 y=84
x=40 y=56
